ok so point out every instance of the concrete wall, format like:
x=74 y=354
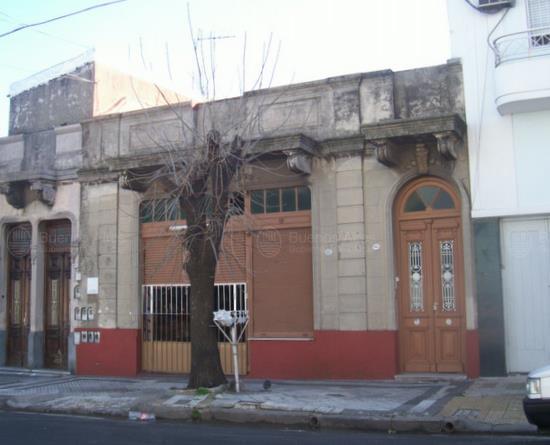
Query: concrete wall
x=60 y=101
x=339 y=244
x=66 y=206
x=118 y=92
x=506 y=152
x=109 y=250
x=352 y=198
x=41 y=154
x=352 y=192
x=489 y=294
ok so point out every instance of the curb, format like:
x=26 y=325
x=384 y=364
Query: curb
x=366 y=423
x=390 y=425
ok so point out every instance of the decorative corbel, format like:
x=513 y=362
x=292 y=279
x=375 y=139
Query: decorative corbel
x=422 y=155
x=129 y=181
x=15 y=194
x=46 y=191
x=446 y=143
x=298 y=161
x=384 y=150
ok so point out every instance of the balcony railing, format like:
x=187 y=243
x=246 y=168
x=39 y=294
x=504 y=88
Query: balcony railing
x=520 y=45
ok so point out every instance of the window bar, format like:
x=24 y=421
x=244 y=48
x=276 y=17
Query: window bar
x=235 y=302
x=154 y=320
x=173 y=325
x=157 y=323
x=172 y=321
x=149 y=301
x=222 y=305
x=179 y=309
x=162 y=293
x=164 y=308
x=144 y=298
x=146 y=310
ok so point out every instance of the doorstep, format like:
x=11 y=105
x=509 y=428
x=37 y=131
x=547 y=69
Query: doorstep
x=39 y=372
x=429 y=377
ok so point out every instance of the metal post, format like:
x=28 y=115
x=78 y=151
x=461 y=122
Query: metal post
x=234 y=345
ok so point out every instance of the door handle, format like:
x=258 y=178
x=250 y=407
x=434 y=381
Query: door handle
x=435 y=307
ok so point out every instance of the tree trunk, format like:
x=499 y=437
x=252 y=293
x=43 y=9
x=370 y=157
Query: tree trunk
x=206 y=368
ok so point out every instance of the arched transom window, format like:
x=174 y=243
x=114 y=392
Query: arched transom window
x=428 y=197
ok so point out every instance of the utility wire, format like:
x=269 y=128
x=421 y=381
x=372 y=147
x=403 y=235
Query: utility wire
x=80 y=11
x=15 y=21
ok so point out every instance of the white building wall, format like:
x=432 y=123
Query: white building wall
x=508 y=153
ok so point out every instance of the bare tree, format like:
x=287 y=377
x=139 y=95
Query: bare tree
x=203 y=174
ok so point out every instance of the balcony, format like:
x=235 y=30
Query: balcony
x=522 y=72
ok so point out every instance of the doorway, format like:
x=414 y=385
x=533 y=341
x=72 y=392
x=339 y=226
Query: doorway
x=19 y=286
x=57 y=292
x=430 y=278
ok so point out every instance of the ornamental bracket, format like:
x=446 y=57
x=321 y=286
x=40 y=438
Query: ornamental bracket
x=446 y=144
x=46 y=191
x=15 y=193
x=385 y=151
x=298 y=161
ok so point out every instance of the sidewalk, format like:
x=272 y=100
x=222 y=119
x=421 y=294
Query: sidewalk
x=488 y=405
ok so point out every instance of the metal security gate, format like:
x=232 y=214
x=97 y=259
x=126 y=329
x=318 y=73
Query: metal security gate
x=526 y=291
x=166 y=337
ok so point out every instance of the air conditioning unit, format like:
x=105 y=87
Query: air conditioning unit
x=491 y=6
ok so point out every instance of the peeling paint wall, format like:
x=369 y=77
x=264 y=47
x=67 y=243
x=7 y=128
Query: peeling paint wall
x=64 y=100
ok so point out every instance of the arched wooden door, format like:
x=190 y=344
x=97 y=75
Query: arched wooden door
x=430 y=278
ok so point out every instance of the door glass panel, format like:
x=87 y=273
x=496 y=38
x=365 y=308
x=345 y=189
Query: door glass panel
x=446 y=252
x=415 y=277
x=427 y=194
x=414 y=204
x=443 y=201
x=16 y=303
x=54 y=303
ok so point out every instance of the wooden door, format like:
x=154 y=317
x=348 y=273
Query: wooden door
x=19 y=275
x=57 y=294
x=430 y=279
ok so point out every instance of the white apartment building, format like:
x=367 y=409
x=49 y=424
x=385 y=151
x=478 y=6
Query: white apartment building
x=504 y=46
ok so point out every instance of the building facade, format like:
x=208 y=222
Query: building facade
x=505 y=52
x=351 y=246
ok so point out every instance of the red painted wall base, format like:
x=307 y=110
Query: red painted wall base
x=330 y=355
x=472 y=354
x=117 y=353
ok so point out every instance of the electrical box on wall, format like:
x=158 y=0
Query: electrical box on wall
x=84 y=313
x=87 y=337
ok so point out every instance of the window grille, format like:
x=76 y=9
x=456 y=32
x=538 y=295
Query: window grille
x=538 y=16
x=167 y=310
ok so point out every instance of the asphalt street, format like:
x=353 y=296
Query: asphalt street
x=44 y=429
